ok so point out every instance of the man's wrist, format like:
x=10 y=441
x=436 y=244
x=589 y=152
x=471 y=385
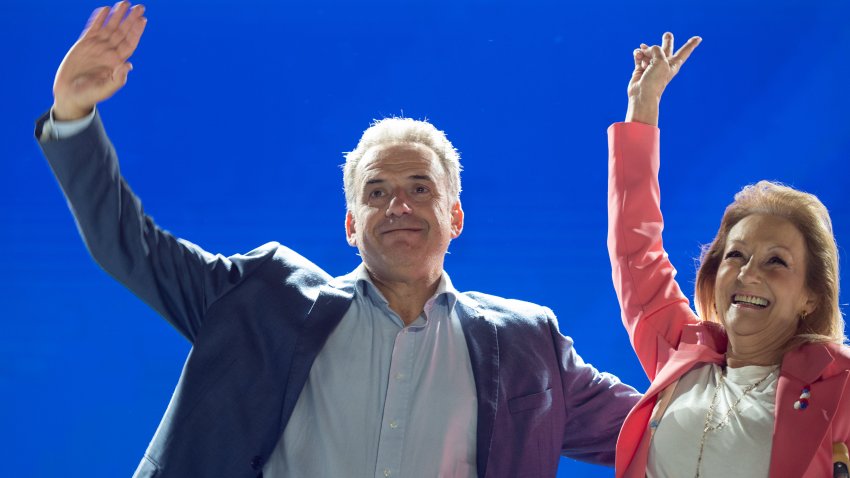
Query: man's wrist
x=55 y=128
x=63 y=112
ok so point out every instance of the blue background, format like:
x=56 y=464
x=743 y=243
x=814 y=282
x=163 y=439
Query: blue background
x=230 y=102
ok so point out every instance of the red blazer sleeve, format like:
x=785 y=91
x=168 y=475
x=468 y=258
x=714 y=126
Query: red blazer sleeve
x=654 y=310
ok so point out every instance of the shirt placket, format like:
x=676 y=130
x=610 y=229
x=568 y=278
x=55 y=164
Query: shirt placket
x=397 y=404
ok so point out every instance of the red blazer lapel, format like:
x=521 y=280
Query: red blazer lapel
x=631 y=449
x=700 y=343
x=798 y=433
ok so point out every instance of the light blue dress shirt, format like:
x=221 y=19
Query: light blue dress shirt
x=383 y=399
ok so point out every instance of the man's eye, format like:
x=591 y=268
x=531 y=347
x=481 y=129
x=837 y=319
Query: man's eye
x=376 y=193
x=420 y=190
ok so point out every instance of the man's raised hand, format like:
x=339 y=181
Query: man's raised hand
x=96 y=66
x=655 y=66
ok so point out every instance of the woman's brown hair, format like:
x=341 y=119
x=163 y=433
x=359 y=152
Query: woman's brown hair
x=808 y=214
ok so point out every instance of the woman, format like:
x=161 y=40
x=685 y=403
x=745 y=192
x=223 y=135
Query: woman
x=757 y=384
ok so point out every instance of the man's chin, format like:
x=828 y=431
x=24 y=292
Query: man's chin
x=402 y=259
x=402 y=244
x=402 y=235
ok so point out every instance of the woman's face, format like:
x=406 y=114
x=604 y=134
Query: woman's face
x=760 y=290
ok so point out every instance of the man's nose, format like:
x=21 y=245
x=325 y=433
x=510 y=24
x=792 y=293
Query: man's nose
x=398 y=206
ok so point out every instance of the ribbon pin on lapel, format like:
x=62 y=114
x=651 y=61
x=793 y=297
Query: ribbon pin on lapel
x=803 y=402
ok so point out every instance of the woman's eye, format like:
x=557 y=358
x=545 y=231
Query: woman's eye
x=777 y=260
x=733 y=255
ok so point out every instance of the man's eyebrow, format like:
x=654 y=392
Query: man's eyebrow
x=417 y=177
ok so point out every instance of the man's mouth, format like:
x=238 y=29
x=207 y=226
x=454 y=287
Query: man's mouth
x=750 y=301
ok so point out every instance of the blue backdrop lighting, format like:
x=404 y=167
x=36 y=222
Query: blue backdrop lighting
x=232 y=127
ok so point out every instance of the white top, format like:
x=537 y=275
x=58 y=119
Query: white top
x=740 y=448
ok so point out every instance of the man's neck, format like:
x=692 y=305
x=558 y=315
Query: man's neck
x=407 y=297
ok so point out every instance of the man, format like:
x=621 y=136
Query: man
x=387 y=371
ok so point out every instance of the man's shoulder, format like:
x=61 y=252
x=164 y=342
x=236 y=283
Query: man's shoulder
x=507 y=310
x=298 y=269
x=278 y=252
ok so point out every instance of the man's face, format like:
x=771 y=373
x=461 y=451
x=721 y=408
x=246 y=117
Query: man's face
x=402 y=219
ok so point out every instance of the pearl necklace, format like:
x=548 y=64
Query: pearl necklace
x=712 y=407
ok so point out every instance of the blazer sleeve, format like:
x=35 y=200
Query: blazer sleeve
x=654 y=309
x=175 y=277
x=596 y=404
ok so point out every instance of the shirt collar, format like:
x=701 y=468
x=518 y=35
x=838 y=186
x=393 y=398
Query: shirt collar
x=363 y=286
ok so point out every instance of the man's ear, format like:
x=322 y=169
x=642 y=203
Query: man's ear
x=349 y=229
x=457 y=219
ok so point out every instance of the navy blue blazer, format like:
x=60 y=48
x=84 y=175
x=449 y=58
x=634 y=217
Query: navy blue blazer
x=257 y=321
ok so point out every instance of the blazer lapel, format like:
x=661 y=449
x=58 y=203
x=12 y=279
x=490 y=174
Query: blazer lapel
x=483 y=343
x=326 y=313
x=798 y=433
x=680 y=362
x=700 y=343
x=701 y=347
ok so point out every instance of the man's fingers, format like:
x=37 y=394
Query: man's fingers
x=98 y=16
x=116 y=16
x=95 y=22
x=135 y=13
x=126 y=38
x=667 y=44
x=131 y=41
x=682 y=55
x=134 y=35
x=137 y=10
x=120 y=73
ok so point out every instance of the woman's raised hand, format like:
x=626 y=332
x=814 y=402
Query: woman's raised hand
x=655 y=66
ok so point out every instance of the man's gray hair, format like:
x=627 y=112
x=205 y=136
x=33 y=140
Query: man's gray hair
x=391 y=131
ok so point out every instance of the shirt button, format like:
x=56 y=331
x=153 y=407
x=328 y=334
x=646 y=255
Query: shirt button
x=399 y=376
x=393 y=424
x=387 y=472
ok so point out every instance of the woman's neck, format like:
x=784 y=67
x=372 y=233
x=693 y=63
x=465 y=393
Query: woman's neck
x=735 y=359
